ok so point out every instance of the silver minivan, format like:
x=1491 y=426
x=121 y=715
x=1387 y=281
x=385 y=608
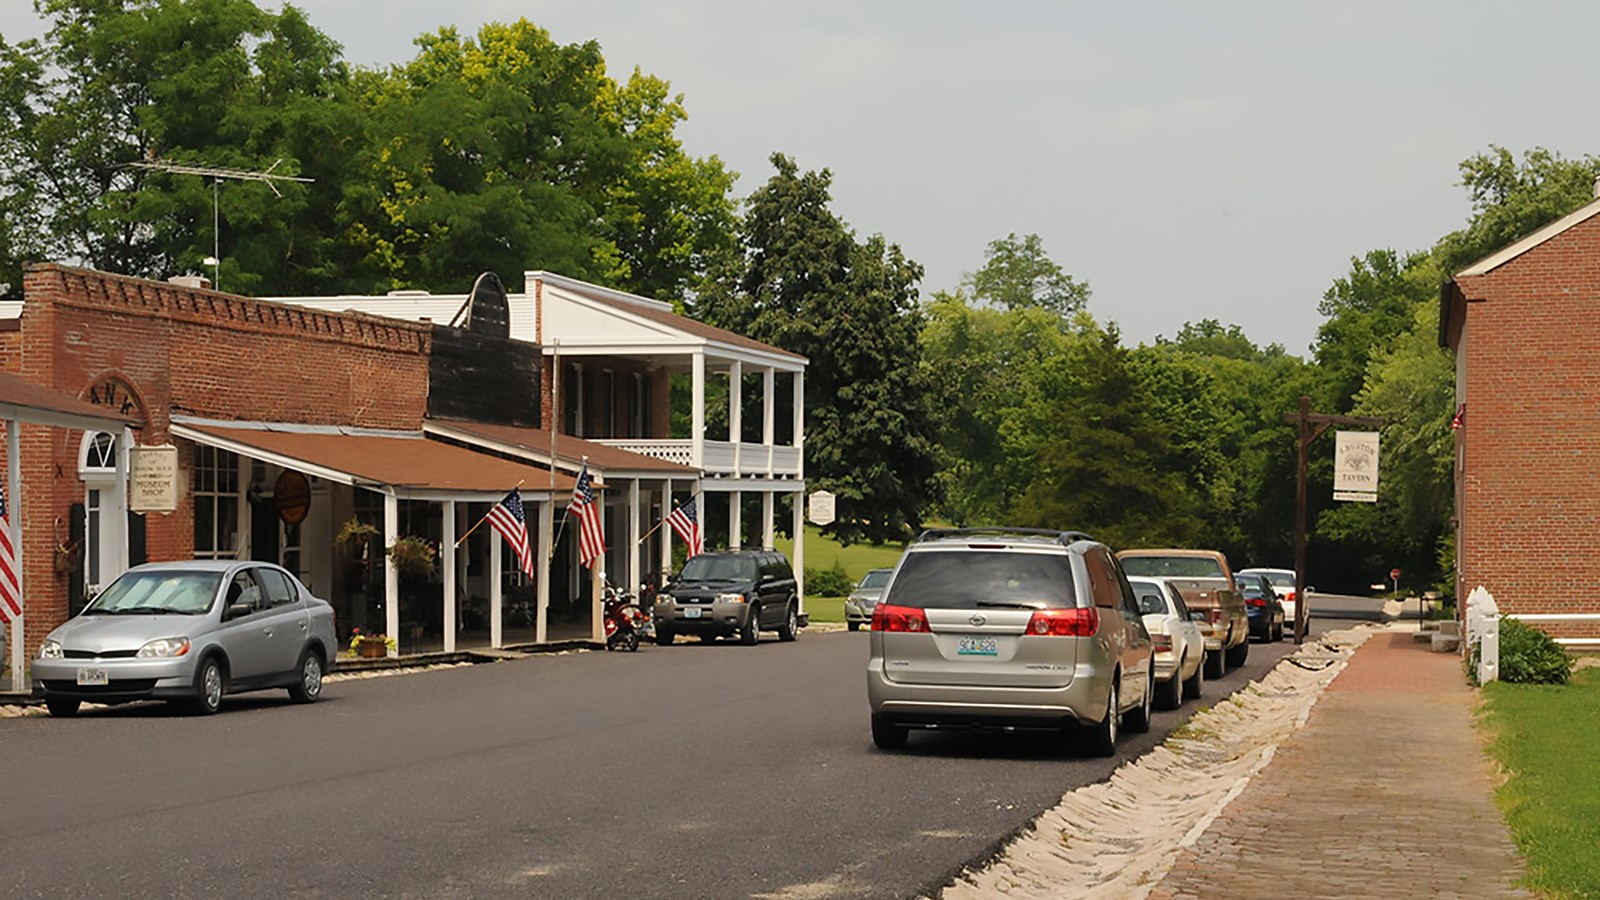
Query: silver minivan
x=1009 y=629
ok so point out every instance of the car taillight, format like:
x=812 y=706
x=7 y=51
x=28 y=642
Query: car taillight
x=1064 y=622
x=1161 y=641
x=1254 y=601
x=1215 y=615
x=898 y=618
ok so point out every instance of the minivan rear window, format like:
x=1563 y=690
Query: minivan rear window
x=959 y=579
x=1172 y=566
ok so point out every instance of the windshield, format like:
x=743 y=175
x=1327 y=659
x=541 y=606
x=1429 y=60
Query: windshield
x=1280 y=579
x=1152 y=600
x=1172 y=566
x=719 y=568
x=877 y=578
x=982 y=579
x=161 y=591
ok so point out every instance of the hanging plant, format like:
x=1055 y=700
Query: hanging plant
x=414 y=556
x=353 y=537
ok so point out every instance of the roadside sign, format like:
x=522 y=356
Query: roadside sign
x=1355 y=465
x=153 y=478
x=820 y=508
x=1357 y=496
x=1394 y=574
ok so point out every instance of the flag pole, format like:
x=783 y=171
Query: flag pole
x=484 y=518
x=652 y=531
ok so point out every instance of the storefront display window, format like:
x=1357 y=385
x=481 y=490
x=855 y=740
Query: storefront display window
x=216 y=503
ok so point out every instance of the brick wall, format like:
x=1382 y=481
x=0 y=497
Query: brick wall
x=1530 y=442
x=194 y=352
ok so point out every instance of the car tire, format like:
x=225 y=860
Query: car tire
x=1215 y=665
x=1140 y=718
x=62 y=707
x=1237 y=655
x=750 y=634
x=853 y=626
x=209 y=685
x=664 y=637
x=1170 y=695
x=1102 y=737
x=308 y=685
x=1193 y=686
x=888 y=736
x=789 y=628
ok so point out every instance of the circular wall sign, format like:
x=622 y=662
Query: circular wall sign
x=292 y=494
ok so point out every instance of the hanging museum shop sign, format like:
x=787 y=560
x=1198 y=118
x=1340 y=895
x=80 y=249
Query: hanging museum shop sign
x=153 y=479
x=1355 y=466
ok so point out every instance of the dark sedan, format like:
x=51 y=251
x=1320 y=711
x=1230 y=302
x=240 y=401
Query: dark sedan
x=1261 y=603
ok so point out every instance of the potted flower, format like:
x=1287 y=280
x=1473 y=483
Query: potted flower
x=371 y=646
x=353 y=538
x=414 y=556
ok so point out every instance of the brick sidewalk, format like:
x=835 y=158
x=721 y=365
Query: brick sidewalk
x=1384 y=793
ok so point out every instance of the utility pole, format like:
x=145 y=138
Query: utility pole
x=1311 y=426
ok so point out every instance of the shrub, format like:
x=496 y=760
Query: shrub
x=1529 y=656
x=831 y=582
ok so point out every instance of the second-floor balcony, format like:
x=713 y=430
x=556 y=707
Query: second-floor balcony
x=719 y=458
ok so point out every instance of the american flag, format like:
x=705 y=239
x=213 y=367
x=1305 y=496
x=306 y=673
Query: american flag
x=686 y=523
x=1461 y=414
x=10 y=590
x=508 y=518
x=591 y=536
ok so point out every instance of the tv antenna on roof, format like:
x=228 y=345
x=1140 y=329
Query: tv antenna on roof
x=217 y=174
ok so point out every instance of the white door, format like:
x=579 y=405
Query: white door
x=105 y=510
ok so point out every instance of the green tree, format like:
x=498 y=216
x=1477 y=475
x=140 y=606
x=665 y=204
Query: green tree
x=1512 y=199
x=1366 y=310
x=804 y=283
x=1017 y=273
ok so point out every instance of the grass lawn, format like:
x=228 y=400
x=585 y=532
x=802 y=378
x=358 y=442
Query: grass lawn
x=856 y=559
x=1545 y=737
x=825 y=609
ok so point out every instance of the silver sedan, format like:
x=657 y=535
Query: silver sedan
x=189 y=632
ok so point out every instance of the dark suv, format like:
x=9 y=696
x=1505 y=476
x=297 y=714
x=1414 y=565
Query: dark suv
x=735 y=592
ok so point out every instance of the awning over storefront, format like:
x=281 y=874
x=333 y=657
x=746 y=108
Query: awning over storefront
x=408 y=465
x=25 y=401
x=534 y=444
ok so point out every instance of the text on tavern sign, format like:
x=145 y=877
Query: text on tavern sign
x=1355 y=466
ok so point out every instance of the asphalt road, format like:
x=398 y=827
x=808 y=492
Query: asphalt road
x=687 y=771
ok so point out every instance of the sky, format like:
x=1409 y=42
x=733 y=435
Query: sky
x=1220 y=160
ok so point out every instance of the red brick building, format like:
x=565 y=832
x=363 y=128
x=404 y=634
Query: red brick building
x=1524 y=325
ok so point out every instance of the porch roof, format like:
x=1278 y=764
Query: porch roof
x=404 y=463
x=25 y=401
x=533 y=444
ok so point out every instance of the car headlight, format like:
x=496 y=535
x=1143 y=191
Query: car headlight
x=730 y=598
x=164 y=648
x=664 y=598
x=50 y=650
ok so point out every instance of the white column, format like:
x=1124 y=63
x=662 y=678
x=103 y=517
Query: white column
x=391 y=575
x=735 y=519
x=736 y=411
x=16 y=632
x=768 y=526
x=666 y=531
x=800 y=547
x=497 y=625
x=597 y=625
x=697 y=414
x=635 y=575
x=541 y=632
x=800 y=422
x=768 y=416
x=447 y=544
x=124 y=454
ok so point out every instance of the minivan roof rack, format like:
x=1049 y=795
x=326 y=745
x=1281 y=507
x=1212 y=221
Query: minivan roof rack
x=946 y=534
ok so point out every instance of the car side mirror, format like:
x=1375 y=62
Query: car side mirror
x=239 y=611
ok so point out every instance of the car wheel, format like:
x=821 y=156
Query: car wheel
x=1103 y=736
x=1237 y=655
x=750 y=634
x=888 y=736
x=853 y=626
x=62 y=707
x=208 y=687
x=308 y=687
x=664 y=637
x=1191 y=687
x=1215 y=665
x=789 y=629
x=1139 y=719
x=1171 y=692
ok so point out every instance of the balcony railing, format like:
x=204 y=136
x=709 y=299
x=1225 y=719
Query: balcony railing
x=741 y=460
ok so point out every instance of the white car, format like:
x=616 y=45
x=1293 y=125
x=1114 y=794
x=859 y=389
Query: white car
x=1180 y=648
x=1283 y=583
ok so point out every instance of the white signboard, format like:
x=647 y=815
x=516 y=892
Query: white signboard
x=153 y=479
x=1357 y=496
x=820 y=509
x=1355 y=465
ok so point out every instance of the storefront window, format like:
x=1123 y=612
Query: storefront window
x=216 y=504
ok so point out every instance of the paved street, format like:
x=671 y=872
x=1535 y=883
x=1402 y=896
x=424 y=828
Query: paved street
x=690 y=771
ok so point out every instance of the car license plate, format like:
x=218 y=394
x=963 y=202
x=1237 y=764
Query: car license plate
x=976 y=646
x=692 y=612
x=92 y=677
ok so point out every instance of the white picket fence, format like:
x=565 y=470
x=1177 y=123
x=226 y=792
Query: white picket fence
x=1483 y=630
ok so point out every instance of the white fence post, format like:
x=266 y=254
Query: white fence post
x=1483 y=632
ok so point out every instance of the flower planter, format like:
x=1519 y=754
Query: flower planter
x=372 y=648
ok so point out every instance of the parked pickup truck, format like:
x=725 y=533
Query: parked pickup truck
x=1206 y=583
